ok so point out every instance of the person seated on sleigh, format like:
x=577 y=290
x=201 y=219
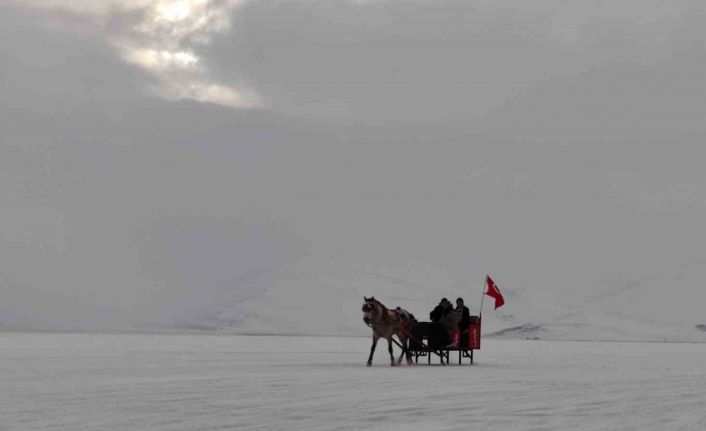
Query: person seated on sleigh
x=438 y=333
x=464 y=320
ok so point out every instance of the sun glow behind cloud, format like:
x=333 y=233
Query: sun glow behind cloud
x=161 y=60
x=172 y=32
x=174 y=11
x=164 y=41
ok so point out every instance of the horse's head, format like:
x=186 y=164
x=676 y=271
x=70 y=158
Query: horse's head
x=369 y=309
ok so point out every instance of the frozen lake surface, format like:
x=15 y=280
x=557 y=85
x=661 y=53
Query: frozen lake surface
x=209 y=382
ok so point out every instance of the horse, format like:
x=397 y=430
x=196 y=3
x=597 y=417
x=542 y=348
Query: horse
x=386 y=323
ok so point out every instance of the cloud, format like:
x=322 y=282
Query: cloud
x=162 y=38
x=603 y=70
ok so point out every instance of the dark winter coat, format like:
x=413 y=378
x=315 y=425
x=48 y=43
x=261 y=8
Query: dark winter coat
x=465 y=318
x=440 y=311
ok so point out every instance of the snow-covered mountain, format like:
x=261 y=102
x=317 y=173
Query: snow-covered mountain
x=317 y=293
x=308 y=297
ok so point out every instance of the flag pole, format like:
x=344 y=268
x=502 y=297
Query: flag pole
x=482 y=297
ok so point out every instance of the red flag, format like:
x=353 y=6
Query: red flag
x=494 y=292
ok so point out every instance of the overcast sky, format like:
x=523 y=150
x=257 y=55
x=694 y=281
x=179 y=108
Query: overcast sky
x=162 y=149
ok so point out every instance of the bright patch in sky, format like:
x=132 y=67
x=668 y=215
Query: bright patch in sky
x=175 y=11
x=163 y=45
x=165 y=42
x=154 y=59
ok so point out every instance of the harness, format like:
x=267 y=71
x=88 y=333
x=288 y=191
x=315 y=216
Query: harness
x=385 y=316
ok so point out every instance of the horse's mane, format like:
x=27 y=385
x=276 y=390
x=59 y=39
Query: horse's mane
x=404 y=314
x=385 y=310
x=372 y=299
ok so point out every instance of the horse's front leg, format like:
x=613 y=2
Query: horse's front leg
x=372 y=349
x=389 y=349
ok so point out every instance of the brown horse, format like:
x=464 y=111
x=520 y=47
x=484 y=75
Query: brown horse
x=386 y=323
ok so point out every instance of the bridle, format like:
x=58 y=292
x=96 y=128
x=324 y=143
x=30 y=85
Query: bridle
x=370 y=307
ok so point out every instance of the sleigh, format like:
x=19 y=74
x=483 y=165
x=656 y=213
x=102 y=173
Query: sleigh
x=427 y=339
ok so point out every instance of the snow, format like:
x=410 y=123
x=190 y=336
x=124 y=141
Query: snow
x=208 y=382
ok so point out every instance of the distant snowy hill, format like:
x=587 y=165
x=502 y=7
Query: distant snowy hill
x=308 y=297
x=315 y=295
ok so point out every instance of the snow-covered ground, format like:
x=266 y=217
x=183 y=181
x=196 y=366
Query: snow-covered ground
x=208 y=382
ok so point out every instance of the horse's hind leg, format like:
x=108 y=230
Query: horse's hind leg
x=399 y=360
x=408 y=355
x=372 y=349
x=389 y=349
x=405 y=352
